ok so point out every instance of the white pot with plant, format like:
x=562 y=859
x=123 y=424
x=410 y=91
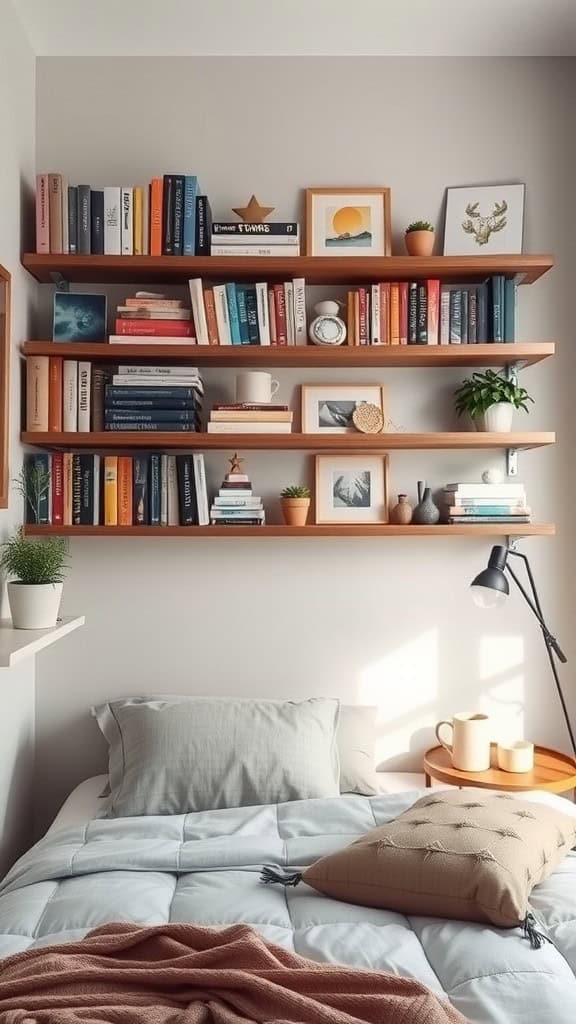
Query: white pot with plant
x=295 y=501
x=490 y=399
x=419 y=238
x=37 y=568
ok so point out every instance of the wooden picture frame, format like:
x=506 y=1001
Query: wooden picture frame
x=5 y=296
x=365 y=211
x=367 y=505
x=347 y=393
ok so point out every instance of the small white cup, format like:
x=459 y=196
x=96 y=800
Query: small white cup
x=255 y=387
x=516 y=757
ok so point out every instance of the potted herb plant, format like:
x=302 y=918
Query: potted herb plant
x=490 y=400
x=37 y=568
x=295 y=503
x=419 y=238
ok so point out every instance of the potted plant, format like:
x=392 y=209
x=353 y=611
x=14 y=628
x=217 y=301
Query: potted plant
x=490 y=399
x=419 y=238
x=38 y=569
x=295 y=503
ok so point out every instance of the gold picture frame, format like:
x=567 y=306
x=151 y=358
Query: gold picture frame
x=348 y=222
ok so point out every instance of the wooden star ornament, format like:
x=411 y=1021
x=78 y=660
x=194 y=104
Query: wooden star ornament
x=235 y=464
x=253 y=213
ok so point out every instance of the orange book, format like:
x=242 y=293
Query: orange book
x=394 y=313
x=385 y=313
x=55 y=394
x=404 y=312
x=433 y=310
x=111 y=490
x=211 y=322
x=124 y=490
x=156 y=190
x=350 y=318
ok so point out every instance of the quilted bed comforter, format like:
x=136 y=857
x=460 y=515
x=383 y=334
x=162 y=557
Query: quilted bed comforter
x=204 y=868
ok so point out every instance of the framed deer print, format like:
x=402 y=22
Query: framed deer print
x=4 y=383
x=484 y=221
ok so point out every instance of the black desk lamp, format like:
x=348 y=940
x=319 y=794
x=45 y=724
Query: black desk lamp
x=491 y=588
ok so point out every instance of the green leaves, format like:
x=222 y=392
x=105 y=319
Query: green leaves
x=35 y=561
x=477 y=393
x=295 y=491
x=419 y=225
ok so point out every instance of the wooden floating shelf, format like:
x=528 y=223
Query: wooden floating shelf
x=469 y=440
x=523 y=353
x=388 y=530
x=316 y=269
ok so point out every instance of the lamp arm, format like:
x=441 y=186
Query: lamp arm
x=535 y=604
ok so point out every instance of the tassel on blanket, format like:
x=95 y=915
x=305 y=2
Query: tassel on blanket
x=270 y=876
x=537 y=939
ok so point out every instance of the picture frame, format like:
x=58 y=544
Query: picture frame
x=351 y=489
x=5 y=296
x=328 y=408
x=79 y=316
x=348 y=221
x=484 y=220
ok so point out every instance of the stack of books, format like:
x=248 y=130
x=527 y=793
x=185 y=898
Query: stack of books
x=431 y=313
x=151 y=317
x=154 y=398
x=235 y=503
x=242 y=418
x=258 y=314
x=168 y=218
x=280 y=239
x=485 y=503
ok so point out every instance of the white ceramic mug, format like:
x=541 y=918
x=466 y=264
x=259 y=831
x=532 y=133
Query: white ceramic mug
x=255 y=387
x=470 y=747
x=516 y=757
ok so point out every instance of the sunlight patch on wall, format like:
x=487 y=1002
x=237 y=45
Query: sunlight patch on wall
x=501 y=661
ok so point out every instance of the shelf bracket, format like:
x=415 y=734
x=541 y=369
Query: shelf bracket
x=512 y=461
x=512 y=372
x=61 y=283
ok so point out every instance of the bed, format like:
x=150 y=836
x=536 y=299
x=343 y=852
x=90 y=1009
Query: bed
x=204 y=868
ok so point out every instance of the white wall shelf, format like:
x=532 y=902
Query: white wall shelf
x=18 y=644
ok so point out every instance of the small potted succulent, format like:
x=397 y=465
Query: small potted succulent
x=419 y=238
x=37 y=568
x=490 y=400
x=295 y=501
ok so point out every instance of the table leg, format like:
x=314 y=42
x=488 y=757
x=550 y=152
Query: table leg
x=427 y=780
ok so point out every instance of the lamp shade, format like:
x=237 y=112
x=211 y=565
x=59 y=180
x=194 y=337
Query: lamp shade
x=490 y=587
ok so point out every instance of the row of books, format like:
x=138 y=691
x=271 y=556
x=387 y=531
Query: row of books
x=71 y=395
x=153 y=315
x=245 y=418
x=248 y=239
x=259 y=314
x=170 y=217
x=144 y=489
x=485 y=503
x=431 y=313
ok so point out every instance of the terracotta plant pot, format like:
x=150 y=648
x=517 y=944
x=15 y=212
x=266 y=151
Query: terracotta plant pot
x=419 y=243
x=295 y=510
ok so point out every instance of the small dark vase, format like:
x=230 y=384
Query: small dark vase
x=426 y=512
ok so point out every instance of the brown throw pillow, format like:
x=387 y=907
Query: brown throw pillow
x=461 y=854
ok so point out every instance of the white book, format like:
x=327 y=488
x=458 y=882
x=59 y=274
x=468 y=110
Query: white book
x=486 y=490
x=112 y=235
x=238 y=492
x=65 y=236
x=234 y=502
x=254 y=250
x=300 y=326
x=164 y=490
x=159 y=371
x=84 y=388
x=272 y=317
x=251 y=239
x=289 y=303
x=127 y=222
x=375 y=315
x=70 y=396
x=146 y=339
x=444 y=316
x=262 y=310
x=509 y=502
x=173 y=506
x=198 y=310
x=201 y=489
x=222 y=314
x=96 y=491
x=249 y=428
x=130 y=381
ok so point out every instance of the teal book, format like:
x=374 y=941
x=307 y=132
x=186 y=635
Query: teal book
x=242 y=315
x=510 y=296
x=191 y=190
x=233 y=314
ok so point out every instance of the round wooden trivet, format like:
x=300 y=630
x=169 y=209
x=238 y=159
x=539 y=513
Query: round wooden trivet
x=368 y=418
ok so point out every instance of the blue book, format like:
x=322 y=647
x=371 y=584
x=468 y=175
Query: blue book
x=150 y=403
x=242 y=315
x=179 y=391
x=163 y=428
x=186 y=490
x=37 y=473
x=510 y=296
x=155 y=490
x=233 y=314
x=189 y=232
x=178 y=225
x=141 y=513
x=252 y=313
x=149 y=416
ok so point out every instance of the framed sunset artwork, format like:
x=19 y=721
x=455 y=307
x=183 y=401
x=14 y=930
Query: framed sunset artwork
x=348 y=222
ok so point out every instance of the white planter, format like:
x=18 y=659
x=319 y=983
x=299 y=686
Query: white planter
x=34 y=606
x=497 y=419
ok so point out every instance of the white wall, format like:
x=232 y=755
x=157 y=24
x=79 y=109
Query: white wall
x=385 y=621
x=17 y=101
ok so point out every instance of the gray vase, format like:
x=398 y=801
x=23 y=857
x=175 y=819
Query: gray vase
x=426 y=512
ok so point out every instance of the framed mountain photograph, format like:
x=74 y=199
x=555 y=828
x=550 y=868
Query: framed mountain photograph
x=351 y=489
x=484 y=221
x=328 y=408
x=348 y=222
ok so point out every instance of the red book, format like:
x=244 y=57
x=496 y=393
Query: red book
x=363 y=316
x=281 y=325
x=403 y=312
x=156 y=193
x=394 y=314
x=433 y=310
x=55 y=393
x=385 y=313
x=211 y=321
x=154 y=328
x=57 y=489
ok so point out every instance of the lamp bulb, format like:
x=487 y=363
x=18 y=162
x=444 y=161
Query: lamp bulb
x=485 y=597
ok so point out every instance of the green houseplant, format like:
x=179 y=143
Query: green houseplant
x=295 y=501
x=38 y=568
x=419 y=238
x=490 y=399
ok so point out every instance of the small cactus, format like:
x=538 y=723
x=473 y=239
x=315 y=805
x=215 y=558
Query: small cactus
x=419 y=225
x=295 y=491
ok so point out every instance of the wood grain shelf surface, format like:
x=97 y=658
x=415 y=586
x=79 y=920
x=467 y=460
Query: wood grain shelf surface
x=470 y=440
x=527 y=268
x=335 y=530
x=385 y=356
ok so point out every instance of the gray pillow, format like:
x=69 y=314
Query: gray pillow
x=356 y=745
x=171 y=756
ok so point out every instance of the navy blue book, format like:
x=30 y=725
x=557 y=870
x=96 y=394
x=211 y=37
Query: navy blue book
x=155 y=489
x=84 y=246
x=203 y=226
x=151 y=403
x=482 y=334
x=465 y=304
x=141 y=466
x=168 y=215
x=87 y=496
x=166 y=428
x=242 y=314
x=510 y=296
x=118 y=391
x=413 y=313
x=178 y=224
x=150 y=416
x=422 y=316
x=97 y=222
x=73 y=219
x=252 y=315
x=37 y=475
x=186 y=490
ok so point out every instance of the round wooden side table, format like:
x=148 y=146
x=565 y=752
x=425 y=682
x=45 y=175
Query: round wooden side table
x=552 y=770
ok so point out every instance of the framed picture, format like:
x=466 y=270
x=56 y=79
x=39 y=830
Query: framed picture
x=79 y=317
x=351 y=488
x=348 y=222
x=485 y=220
x=328 y=408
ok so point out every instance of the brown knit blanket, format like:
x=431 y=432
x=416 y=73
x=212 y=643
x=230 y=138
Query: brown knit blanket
x=180 y=974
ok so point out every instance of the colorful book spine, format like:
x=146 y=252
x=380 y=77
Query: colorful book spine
x=42 y=214
x=262 y=312
x=141 y=512
x=164 y=490
x=55 y=378
x=445 y=316
x=156 y=416
x=252 y=314
x=403 y=287
x=363 y=315
x=168 y=215
x=289 y=305
x=189 y=215
x=280 y=301
x=300 y=325
x=127 y=221
x=138 y=222
x=178 y=215
x=243 y=314
x=37 y=393
x=55 y=211
x=125 y=490
x=84 y=240
x=67 y=460
x=233 y=315
x=422 y=327
x=98 y=222
x=385 y=313
x=203 y=226
x=156 y=216
x=84 y=391
x=76 y=490
x=111 y=490
x=57 y=488
x=413 y=313
x=211 y=319
x=272 y=317
x=375 y=314
x=433 y=298
x=166 y=428
x=153 y=328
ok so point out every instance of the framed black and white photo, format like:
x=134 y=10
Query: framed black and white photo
x=352 y=489
x=484 y=221
x=328 y=408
